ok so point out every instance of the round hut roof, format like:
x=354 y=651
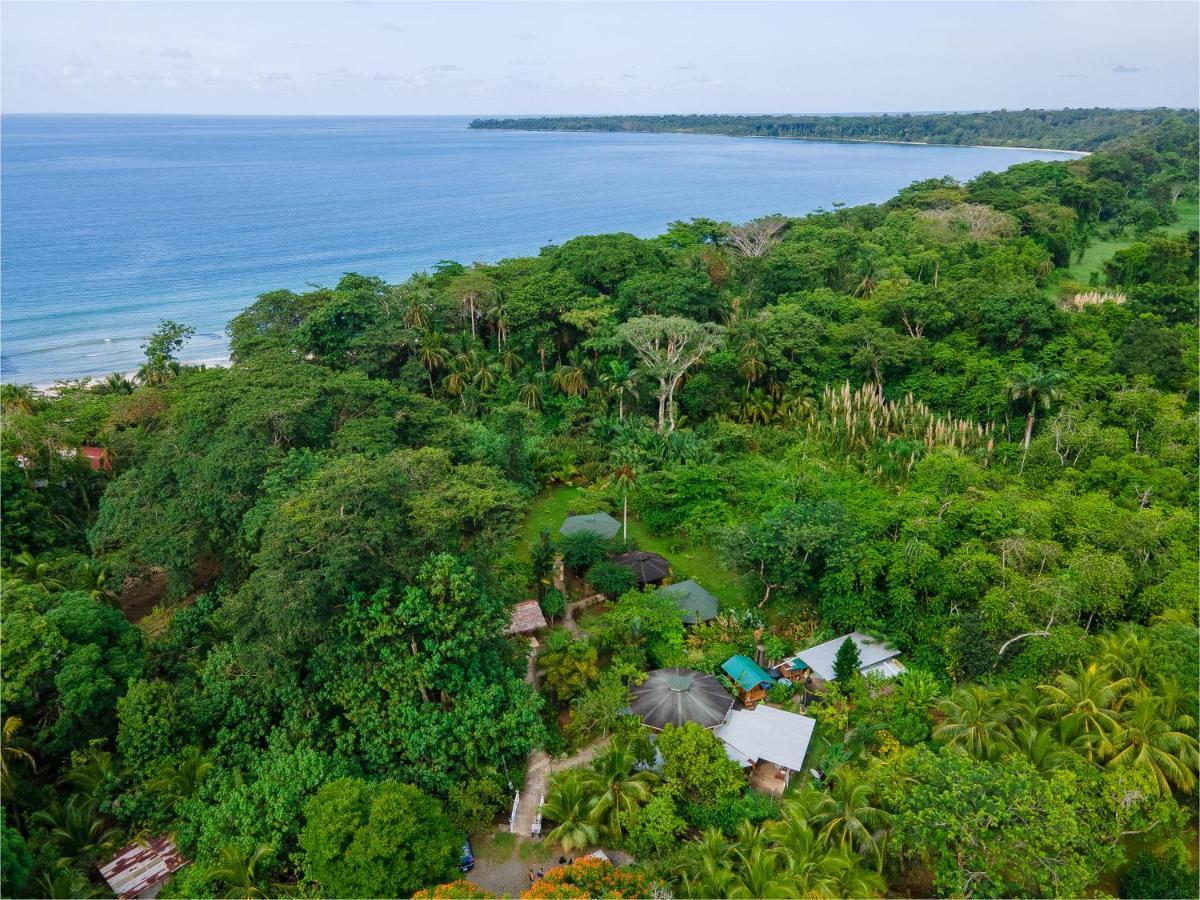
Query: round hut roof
x=678 y=696
x=647 y=567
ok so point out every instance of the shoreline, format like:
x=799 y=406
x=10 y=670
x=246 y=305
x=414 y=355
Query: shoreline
x=1078 y=154
x=53 y=388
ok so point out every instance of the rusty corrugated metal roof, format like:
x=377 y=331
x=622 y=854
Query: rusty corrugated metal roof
x=142 y=866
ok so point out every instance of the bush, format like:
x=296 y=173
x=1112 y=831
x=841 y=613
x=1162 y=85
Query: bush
x=610 y=579
x=554 y=604
x=473 y=806
x=582 y=550
x=752 y=807
x=1165 y=873
x=780 y=692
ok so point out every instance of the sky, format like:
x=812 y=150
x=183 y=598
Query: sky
x=470 y=58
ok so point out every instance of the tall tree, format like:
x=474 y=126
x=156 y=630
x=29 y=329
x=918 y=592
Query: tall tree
x=668 y=347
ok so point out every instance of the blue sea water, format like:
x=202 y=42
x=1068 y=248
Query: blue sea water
x=111 y=223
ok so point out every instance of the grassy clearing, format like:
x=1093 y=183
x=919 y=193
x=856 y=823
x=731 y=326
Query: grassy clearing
x=696 y=561
x=1101 y=251
x=497 y=848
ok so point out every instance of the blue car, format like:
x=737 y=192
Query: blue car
x=467 y=863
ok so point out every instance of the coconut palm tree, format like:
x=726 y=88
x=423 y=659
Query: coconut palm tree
x=1089 y=700
x=1039 y=388
x=238 y=872
x=92 y=576
x=431 y=353
x=64 y=883
x=625 y=475
x=758 y=875
x=79 y=833
x=847 y=815
x=12 y=750
x=116 y=383
x=1152 y=737
x=621 y=381
x=496 y=312
x=569 y=803
x=180 y=780
x=529 y=393
x=704 y=866
x=615 y=788
x=1128 y=653
x=89 y=775
x=571 y=377
x=973 y=721
x=36 y=571
x=1041 y=747
x=18 y=398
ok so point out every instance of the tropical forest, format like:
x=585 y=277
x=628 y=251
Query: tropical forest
x=393 y=605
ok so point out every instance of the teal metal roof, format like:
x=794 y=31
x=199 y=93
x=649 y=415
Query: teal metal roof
x=746 y=672
x=698 y=605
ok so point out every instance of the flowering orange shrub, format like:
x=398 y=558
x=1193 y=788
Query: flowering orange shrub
x=589 y=877
x=454 y=890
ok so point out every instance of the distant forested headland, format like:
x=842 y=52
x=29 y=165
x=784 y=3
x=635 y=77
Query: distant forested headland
x=1050 y=129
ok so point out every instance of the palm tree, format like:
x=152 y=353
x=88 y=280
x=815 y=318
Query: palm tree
x=12 y=750
x=750 y=360
x=239 y=872
x=1088 y=700
x=570 y=805
x=116 y=383
x=1153 y=738
x=529 y=393
x=93 y=773
x=18 y=398
x=1041 y=747
x=36 y=571
x=78 y=832
x=615 y=788
x=1128 y=653
x=511 y=360
x=94 y=578
x=431 y=354
x=571 y=377
x=455 y=382
x=1037 y=386
x=181 y=780
x=621 y=381
x=472 y=291
x=758 y=876
x=496 y=312
x=417 y=309
x=755 y=406
x=704 y=866
x=847 y=815
x=973 y=721
x=486 y=376
x=625 y=475
x=64 y=883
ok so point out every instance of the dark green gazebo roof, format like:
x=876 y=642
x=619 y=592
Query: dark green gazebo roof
x=697 y=604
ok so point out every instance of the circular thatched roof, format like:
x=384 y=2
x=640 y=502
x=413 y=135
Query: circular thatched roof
x=678 y=696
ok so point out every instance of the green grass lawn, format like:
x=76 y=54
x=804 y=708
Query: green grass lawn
x=1101 y=251
x=696 y=561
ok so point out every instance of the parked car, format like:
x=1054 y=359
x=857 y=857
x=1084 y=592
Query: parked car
x=467 y=862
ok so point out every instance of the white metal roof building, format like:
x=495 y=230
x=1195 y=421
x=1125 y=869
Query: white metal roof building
x=874 y=657
x=766 y=734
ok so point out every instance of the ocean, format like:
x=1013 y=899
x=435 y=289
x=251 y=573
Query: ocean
x=112 y=223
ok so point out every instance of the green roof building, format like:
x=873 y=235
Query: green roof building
x=698 y=605
x=597 y=523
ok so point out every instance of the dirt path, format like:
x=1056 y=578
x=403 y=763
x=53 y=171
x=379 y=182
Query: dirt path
x=578 y=606
x=537 y=778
